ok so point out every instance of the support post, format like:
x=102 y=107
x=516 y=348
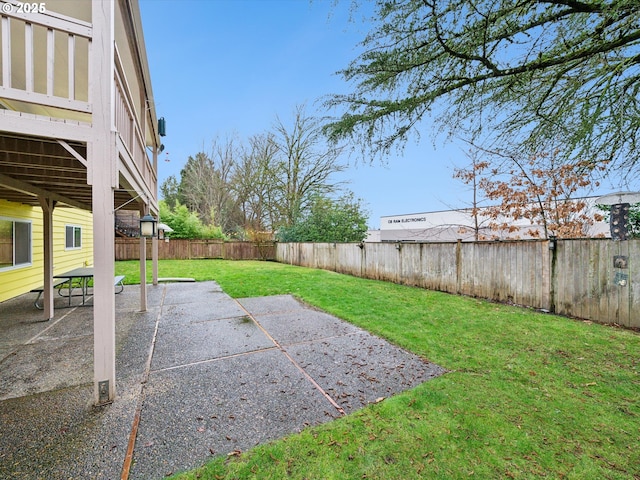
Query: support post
x=47 y=205
x=143 y=266
x=154 y=259
x=549 y=275
x=458 y=266
x=154 y=242
x=102 y=175
x=104 y=325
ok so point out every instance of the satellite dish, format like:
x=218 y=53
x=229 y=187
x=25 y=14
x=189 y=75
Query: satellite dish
x=619 y=197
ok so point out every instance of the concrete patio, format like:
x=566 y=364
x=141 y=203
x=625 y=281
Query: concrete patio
x=199 y=374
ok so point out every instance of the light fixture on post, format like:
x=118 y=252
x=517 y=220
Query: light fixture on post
x=148 y=226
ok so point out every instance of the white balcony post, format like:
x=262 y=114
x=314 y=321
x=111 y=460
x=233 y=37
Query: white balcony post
x=102 y=174
x=154 y=241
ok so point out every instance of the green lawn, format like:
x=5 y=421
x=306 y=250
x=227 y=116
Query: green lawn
x=527 y=395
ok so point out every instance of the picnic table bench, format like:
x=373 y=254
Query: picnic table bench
x=40 y=290
x=117 y=282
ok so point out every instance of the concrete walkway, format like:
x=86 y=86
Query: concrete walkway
x=199 y=374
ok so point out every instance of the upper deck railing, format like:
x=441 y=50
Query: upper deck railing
x=45 y=59
x=130 y=131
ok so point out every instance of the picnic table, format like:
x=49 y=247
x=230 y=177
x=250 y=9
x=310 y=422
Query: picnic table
x=78 y=278
x=83 y=275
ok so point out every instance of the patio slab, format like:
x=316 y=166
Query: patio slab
x=234 y=403
x=224 y=375
x=215 y=306
x=200 y=341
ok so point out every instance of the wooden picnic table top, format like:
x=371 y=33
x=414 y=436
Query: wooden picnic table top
x=81 y=272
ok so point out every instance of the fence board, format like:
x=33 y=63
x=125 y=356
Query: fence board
x=577 y=278
x=381 y=261
x=634 y=285
x=439 y=267
x=600 y=285
x=179 y=249
x=349 y=258
x=410 y=269
x=324 y=255
x=468 y=256
x=561 y=279
x=306 y=254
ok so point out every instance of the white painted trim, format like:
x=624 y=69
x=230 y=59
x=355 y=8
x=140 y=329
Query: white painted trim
x=71 y=65
x=18 y=266
x=73 y=152
x=130 y=171
x=51 y=57
x=28 y=56
x=50 y=19
x=102 y=175
x=134 y=10
x=38 y=125
x=6 y=52
x=44 y=99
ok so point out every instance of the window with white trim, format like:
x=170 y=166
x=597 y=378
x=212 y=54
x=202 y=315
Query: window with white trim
x=15 y=243
x=72 y=237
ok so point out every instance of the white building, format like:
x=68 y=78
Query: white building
x=453 y=225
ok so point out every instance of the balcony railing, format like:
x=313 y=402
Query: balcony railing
x=129 y=130
x=45 y=62
x=45 y=59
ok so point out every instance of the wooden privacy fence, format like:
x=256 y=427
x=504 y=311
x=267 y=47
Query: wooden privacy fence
x=179 y=249
x=594 y=279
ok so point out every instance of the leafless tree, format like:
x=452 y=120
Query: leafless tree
x=304 y=166
x=225 y=203
x=471 y=177
x=253 y=182
x=196 y=189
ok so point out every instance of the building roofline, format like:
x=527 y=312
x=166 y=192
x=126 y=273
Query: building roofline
x=470 y=208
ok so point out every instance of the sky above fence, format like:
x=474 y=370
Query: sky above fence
x=228 y=67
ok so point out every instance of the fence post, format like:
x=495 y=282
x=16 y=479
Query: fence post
x=553 y=256
x=458 y=266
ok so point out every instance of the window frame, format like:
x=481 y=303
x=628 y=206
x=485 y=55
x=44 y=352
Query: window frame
x=29 y=249
x=75 y=228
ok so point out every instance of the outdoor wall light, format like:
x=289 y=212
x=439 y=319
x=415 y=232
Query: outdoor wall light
x=148 y=226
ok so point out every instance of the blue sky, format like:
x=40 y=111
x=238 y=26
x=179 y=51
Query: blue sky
x=228 y=67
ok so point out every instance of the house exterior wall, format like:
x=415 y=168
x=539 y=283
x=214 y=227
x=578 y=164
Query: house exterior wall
x=78 y=128
x=18 y=280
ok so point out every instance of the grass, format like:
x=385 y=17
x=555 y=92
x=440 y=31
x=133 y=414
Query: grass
x=527 y=395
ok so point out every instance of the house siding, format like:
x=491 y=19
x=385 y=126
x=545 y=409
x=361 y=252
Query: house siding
x=19 y=280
